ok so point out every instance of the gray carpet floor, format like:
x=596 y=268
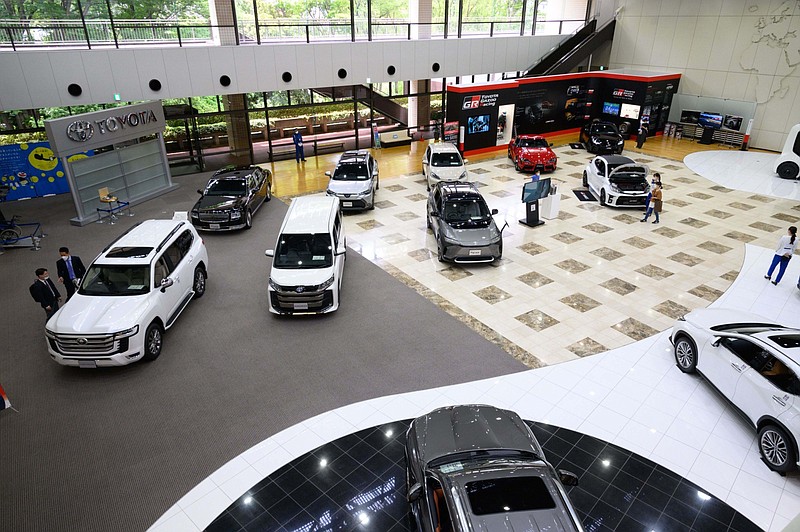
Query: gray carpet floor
x=112 y=449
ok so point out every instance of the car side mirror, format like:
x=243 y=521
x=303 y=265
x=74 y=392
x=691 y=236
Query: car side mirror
x=568 y=478
x=166 y=283
x=328 y=173
x=434 y=214
x=270 y=253
x=494 y=211
x=341 y=251
x=466 y=161
x=414 y=492
x=551 y=144
x=199 y=191
x=716 y=342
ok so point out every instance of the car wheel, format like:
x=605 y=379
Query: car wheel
x=788 y=170
x=500 y=253
x=377 y=184
x=248 y=219
x=428 y=221
x=516 y=166
x=509 y=154
x=269 y=191
x=153 y=341
x=776 y=449
x=685 y=354
x=439 y=252
x=602 y=196
x=585 y=180
x=199 y=284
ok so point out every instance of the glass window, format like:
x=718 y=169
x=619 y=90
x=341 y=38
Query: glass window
x=116 y=280
x=787 y=341
x=304 y=251
x=514 y=494
x=128 y=252
x=466 y=212
x=440 y=513
x=446 y=159
x=351 y=172
x=226 y=187
x=161 y=272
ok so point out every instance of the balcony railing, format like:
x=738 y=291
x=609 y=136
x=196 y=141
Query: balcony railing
x=99 y=33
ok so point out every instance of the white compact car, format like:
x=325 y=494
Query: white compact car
x=617 y=181
x=787 y=165
x=753 y=363
x=132 y=292
x=443 y=162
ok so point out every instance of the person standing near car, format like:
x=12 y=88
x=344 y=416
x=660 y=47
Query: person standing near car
x=45 y=293
x=641 y=135
x=783 y=253
x=70 y=270
x=655 y=201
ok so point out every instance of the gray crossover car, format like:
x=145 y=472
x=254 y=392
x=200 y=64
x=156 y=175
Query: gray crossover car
x=462 y=224
x=477 y=467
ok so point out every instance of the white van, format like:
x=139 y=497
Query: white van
x=308 y=259
x=787 y=165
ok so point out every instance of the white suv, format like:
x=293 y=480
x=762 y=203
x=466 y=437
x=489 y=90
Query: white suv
x=132 y=292
x=443 y=162
x=753 y=363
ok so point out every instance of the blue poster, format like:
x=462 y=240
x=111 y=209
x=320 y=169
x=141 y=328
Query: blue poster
x=32 y=170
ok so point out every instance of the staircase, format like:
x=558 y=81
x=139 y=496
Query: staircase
x=573 y=51
x=380 y=103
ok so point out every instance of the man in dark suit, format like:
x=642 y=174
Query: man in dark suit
x=70 y=270
x=44 y=292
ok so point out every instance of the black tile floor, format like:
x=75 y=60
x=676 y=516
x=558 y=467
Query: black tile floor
x=357 y=483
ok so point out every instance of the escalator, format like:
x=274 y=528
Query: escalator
x=573 y=51
x=381 y=104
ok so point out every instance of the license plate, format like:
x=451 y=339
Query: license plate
x=474 y=252
x=301 y=306
x=87 y=364
x=213 y=226
x=347 y=204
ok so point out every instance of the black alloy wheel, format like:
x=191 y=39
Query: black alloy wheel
x=199 y=283
x=788 y=170
x=776 y=449
x=248 y=219
x=153 y=342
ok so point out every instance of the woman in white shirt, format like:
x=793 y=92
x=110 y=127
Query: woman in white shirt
x=786 y=246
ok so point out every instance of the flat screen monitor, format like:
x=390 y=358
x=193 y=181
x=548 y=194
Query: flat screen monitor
x=611 y=108
x=690 y=117
x=629 y=111
x=711 y=120
x=477 y=124
x=535 y=190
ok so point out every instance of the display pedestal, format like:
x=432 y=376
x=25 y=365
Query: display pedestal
x=707 y=137
x=531 y=214
x=549 y=206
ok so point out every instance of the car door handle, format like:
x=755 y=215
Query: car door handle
x=737 y=367
x=778 y=400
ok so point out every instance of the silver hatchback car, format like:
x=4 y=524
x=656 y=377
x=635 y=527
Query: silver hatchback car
x=478 y=467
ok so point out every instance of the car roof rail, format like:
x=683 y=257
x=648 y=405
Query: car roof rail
x=161 y=245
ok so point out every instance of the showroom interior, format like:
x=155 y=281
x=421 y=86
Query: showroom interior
x=249 y=421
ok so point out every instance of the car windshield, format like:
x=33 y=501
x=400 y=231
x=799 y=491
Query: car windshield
x=446 y=159
x=351 y=172
x=115 y=280
x=467 y=212
x=226 y=187
x=533 y=143
x=510 y=494
x=304 y=251
x=604 y=129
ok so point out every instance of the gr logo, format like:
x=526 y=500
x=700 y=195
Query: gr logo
x=472 y=102
x=80 y=131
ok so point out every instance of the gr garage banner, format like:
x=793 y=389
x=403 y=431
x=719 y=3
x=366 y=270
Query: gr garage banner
x=32 y=170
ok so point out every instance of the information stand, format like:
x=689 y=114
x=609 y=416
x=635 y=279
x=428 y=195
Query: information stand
x=707 y=136
x=531 y=214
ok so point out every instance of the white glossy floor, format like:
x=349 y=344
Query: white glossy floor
x=632 y=396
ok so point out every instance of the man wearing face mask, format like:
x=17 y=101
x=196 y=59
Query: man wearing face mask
x=44 y=292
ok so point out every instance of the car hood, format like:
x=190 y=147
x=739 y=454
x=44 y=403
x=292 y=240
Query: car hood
x=217 y=202
x=711 y=317
x=348 y=187
x=605 y=136
x=447 y=173
x=536 y=153
x=630 y=171
x=99 y=314
x=307 y=277
x=472 y=236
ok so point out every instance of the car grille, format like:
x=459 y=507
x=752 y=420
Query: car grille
x=214 y=216
x=631 y=187
x=317 y=301
x=627 y=200
x=73 y=345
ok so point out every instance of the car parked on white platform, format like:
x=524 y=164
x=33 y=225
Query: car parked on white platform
x=755 y=364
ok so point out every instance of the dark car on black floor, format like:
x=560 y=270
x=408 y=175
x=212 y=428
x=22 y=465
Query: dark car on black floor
x=602 y=137
x=231 y=197
x=477 y=467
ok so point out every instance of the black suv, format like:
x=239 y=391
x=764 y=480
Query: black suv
x=602 y=137
x=231 y=197
x=355 y=180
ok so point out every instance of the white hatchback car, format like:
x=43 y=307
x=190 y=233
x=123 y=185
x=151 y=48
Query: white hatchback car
x=753 y=363
x=617 y=180
x=132 y=292
x=443 y=162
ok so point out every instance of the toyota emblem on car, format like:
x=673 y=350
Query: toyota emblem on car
x=82 y=341
x=299 y=289
x=80 y=131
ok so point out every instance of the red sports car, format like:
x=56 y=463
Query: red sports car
x=532 y=153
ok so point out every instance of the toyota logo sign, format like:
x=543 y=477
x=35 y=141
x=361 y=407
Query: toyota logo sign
x=80 y=131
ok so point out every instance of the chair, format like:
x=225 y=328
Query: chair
x=108 y=200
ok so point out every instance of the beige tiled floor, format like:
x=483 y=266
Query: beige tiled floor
x=593 y=279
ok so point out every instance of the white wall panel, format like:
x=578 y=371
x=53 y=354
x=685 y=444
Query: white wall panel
x=724 y=42
x=391 y=56
x=681 y=43
x=245 y=67
x=501 y=61
x=38 y=75
x=702 y=40
x=200 y=71
x=265 y=67
x=732 y=7
x=422 y=60
x=178 y=78
x=68 y=68
x=13 y=89
x=664 y=32
x=437 y=53
x=714 y=83
x=643 y=50
x=625 y=39
x=358 y=71
x=305 y=72
x=286 y=61
x=407 y=64
x=688 y=8
x=97 y=67
x=793 y=117
x=126 y=75
x=735 y=85
x=692 y=81
x=776 y=110
x=709 y=7
x=451 y=55
x=222 y=64
x=488 y=56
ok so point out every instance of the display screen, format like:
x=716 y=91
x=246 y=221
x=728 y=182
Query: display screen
x=535 y=190
x=690 y=117
x=611 y=108
x=733 y=122
x=711 y=120
x=477 y=124
x=629 y=111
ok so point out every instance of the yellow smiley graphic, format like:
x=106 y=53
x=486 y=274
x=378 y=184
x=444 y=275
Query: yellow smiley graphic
x=42 y=158
x=77 y=157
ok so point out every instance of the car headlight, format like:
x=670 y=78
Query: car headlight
x=365 y=192
x=595 y=140
x=682 y=317
x=620 y=142
x=463 y=175
x=553 y=160
x=235 y=215
x=326 y=284
x=329 y=192
x=49 y=333
x=127 y=332
x=434 y=175
x=615 y=188
x=275 y=286
x=195 y=214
